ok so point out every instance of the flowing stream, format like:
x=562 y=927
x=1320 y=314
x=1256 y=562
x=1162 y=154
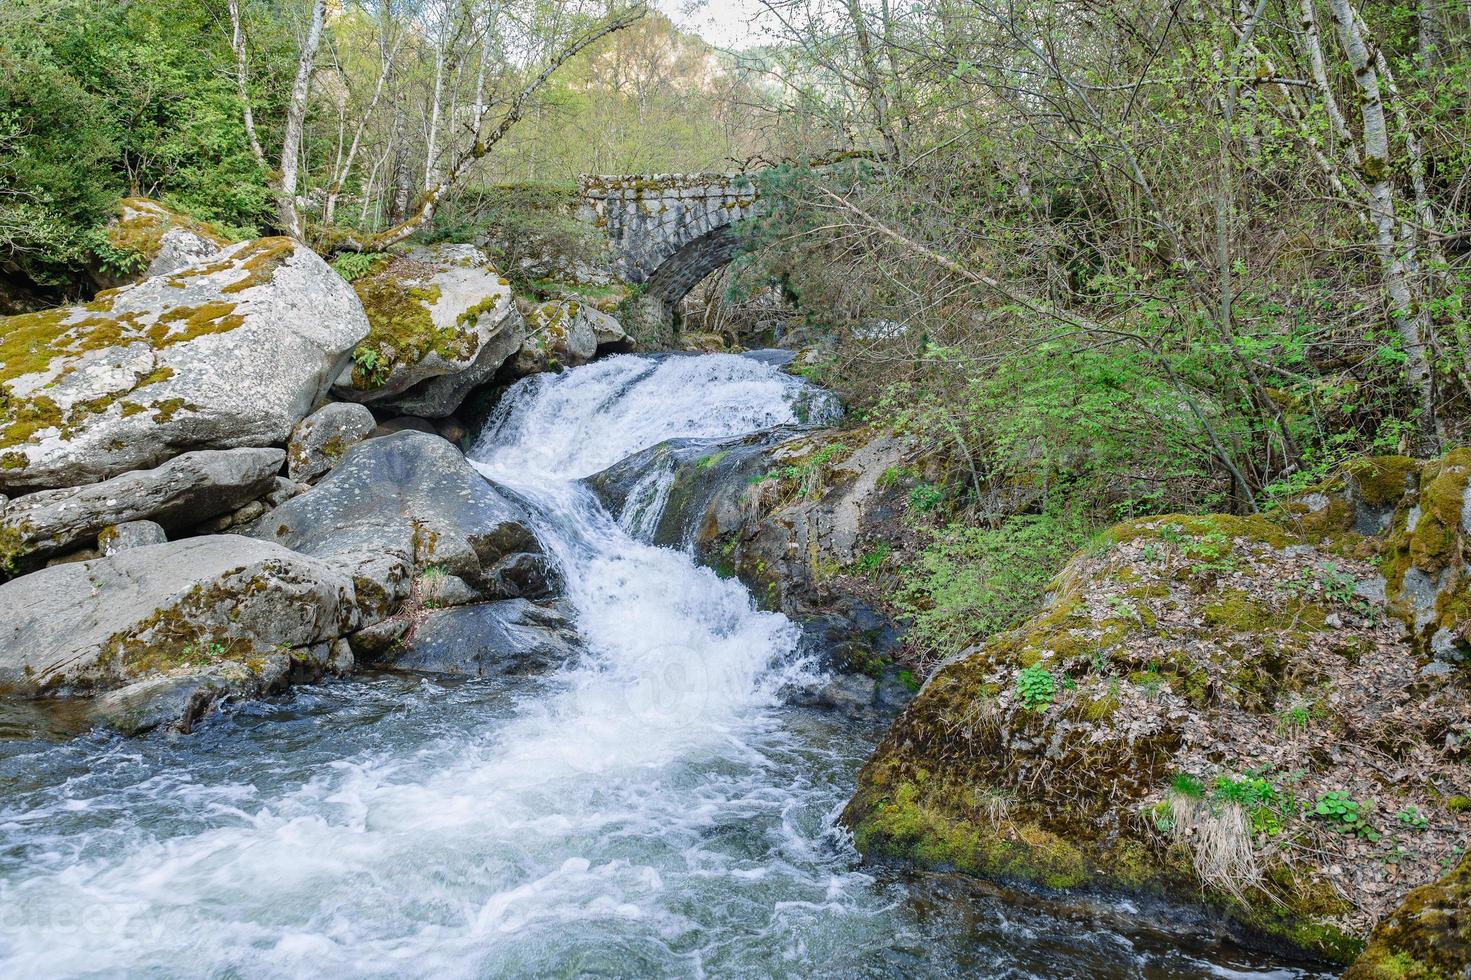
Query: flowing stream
x=653 y=808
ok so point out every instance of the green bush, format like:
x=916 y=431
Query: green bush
x=973 y=581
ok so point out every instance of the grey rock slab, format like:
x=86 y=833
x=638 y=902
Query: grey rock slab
x=132 y=534
x=99 y=624
x=319 y=441
x=413 y=496
x=181 y=493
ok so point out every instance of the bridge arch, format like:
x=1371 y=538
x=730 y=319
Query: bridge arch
x=669 y=231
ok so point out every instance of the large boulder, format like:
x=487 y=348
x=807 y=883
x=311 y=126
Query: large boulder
x=159 y=239
x=233 y=352
x=442 y=321
x=1416 y=517
x=98 y=625
x=1428 y=936
x=319 y=441
x=1208 y=706
x=486 y=639
x=415 y=497
x=181 y=493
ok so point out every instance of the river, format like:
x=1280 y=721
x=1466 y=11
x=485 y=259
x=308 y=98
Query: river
x=657 y=807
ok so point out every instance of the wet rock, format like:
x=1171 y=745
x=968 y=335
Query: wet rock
x=509 y=637
x=213 y=356
x=412 y=496
x=132 y=534
x=443 y=321
x=185 y=491
x=179 y=699
x=780 y=535
x=101 y=624
x=319 y=441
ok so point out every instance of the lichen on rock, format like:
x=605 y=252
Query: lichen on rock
x=435 y=312
x=216 y=355
x=1181 y=718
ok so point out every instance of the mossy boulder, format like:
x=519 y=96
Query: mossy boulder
x=441 y=322
x=565 y=333
x=1426 y=557
x=89 y=627
x=232 y=352
x=1428 y=937
x=1187 y=716
x=157 y=241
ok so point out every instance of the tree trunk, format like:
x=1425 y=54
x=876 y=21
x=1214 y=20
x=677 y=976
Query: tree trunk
x=295 y=122
x=1408 y=316
x=237 y=44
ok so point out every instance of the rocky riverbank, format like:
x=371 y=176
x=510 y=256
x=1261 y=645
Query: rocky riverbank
x=1267 y=714
x=228 y=475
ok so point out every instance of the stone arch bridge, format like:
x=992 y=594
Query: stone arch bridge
x=669 y=231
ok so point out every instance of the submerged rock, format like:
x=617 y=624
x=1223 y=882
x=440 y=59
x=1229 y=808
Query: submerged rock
x=442 y=321
x=233 y=352
x=513 y=636
x=98 y=625
x=180 y=494
x=319 y=441
x=412 y=496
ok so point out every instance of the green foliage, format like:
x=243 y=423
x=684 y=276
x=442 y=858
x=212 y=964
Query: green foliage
x=972 y=581
x=925 y=497
x=1187 y=785
x=1036 y=687
x=1344 y=814
x=101 y=98
x=1412 y=818
x=353 y=266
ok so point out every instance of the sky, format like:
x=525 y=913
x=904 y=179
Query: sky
x=725 y=23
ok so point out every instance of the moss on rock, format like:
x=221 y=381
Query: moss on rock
x=1427 y=938
x=1184 y=645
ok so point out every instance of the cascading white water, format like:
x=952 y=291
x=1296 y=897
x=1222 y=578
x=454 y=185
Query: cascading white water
x=650 y=809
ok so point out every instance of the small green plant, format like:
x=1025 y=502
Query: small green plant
x=369 y=365
x=1036 y=687
x=1187 y=785
x=1262 y=801
x=353 y=266
x=873 y=559
x=1210 y=553
x=1411 y=817
x=1344 y=814
x=1295 y=718
x=925 y=497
